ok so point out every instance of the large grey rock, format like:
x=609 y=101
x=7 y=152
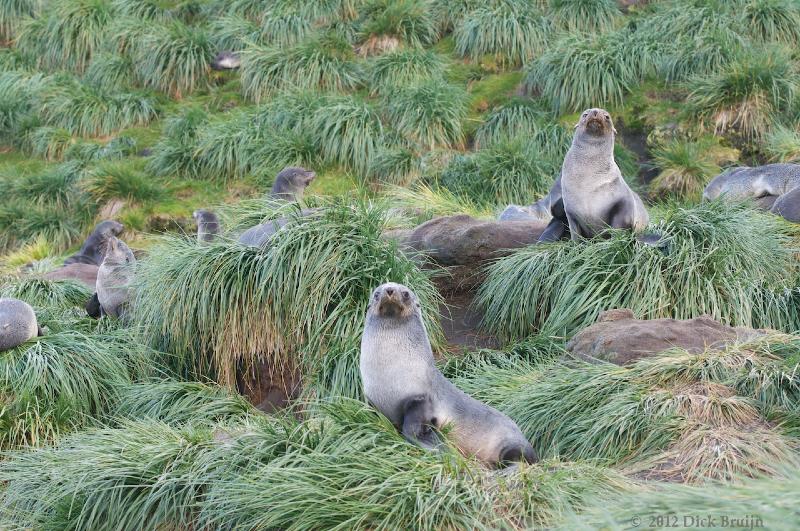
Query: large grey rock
x=464 y=240
x=84 y=273
x=620 y=338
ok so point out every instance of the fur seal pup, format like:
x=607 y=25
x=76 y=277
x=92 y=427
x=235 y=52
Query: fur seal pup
x=94 y=248
x=226 y=61
x=208 y=225
x=17 y=323
x=114 y=278
x=290 y=184
x=788 y=205
x=595 y=195
x=401 y=380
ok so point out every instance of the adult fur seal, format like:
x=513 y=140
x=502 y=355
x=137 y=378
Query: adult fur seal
x=94 y=248
x=17 y=323
x=401 y=380
x=764 y=184
x=595 y=195
x=208 y=225
x=114 y=278
x=291 y=183
x=788 y=205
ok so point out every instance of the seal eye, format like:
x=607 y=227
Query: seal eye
x=406 y=295
x=585 y=115
x=377 y=295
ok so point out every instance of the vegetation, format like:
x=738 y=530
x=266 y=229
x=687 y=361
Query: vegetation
x=686 y=167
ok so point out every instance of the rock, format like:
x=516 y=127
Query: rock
x=620 y=338
x=464 y=240
x=83 y=273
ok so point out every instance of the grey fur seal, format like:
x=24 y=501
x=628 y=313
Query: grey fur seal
x=595 y=195
x=114 y=278
x=541 y=209
x=208 y=225
x=226 y=61
x=94 y=248
x=290 y=184
x=17 y=323
x=788 y=205
x=764 y=184
x=402 y=381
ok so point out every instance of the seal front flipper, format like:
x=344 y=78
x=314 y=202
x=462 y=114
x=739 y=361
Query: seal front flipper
x=514 y=454
x=558 y=228
x=418 y=422
x=93 y=308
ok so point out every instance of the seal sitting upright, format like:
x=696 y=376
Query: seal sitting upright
x=595 y=195
x=401 y=380
x=114 y=278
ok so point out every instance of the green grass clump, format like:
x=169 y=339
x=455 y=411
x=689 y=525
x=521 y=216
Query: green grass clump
x=20 y=95
x=686 y=167
x=325 y=62
x=110 y=71
x=263 y=295
x=40 y=292
x=719 y=259
x=348 y=131
x=772 y=20
x=150 y=10
x=68 y=35
x=398 y=166
x=50 y=143
x=512 y=31
x=91 y=111
x=13 y=13
x=747 y=95
x=430 y=113
x=119 y=180
x=506 y=172
x=403 y=67
x=174 y=58
x=226 y=146
x=176 y=402
x=585 y=15
x=59 y=382
x=174 y=153
x=782 y=144
x=409 y=21
x=582 y=71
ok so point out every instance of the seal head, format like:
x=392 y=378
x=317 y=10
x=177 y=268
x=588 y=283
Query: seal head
x=291 y=182
x=393 y=301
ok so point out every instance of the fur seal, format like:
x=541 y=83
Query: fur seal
x=595 y=195
x=541 y=209
x=94 y=248
x=17 y=323
x=226 y=61
x=401 y=380
x=290 y=184
x=788 y=205
x=208 y=225
x=114 y=278
x=762 y=183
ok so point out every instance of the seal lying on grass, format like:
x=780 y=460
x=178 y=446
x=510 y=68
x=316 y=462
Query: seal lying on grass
x=762 y=183
x=17 y=323
x=401 y=380
x=94 y=248
x=788 y=205
x=208 y=225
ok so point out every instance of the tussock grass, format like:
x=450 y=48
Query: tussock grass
x=772 y=20
x=686 y=167
x=226 y=146
x=112 y=71
x=68 y=35
x=175 y=402
x=50 y=143
x=280 y=27
x=174 y=153
x=13 y=13
x=20 y=93
x=582 y=71
x=723 y=260
x=119 y=180
x=40 y=292
x=344 y=466
x=403 y=67
x=264 y=294
x=512 y=31
x=432 y=201
x=585 y=15
x=90 y=111
x=506 y=172
x=747 y=95
x=174 y=58
x=325 y=62
x=397 y=166
x=150 y=10
x=782 y=144
x=430 y=113
x=409 y=21
x=58 y=383
x=348 y=131
x=233 y=32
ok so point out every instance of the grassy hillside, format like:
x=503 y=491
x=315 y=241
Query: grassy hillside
x=406 y=110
